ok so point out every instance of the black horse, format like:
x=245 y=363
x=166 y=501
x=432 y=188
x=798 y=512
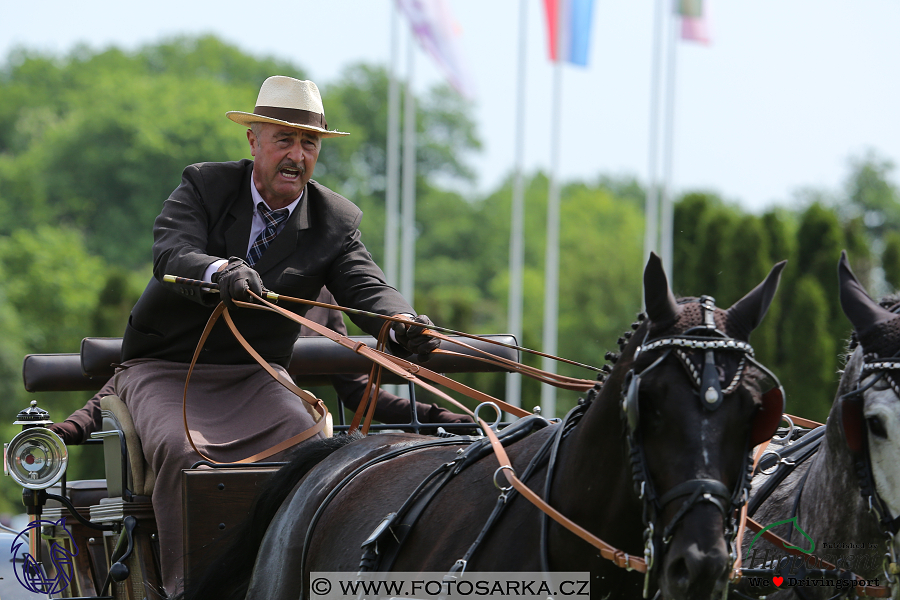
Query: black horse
x=858 y=451
x=675 y=421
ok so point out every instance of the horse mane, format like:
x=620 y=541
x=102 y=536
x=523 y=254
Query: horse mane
x=228 y=575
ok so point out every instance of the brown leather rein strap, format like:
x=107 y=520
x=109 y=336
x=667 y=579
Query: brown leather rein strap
x=561 y=381
x=872 y=591
x=803 y=422
x=317 y=404
x=620 y=558
x=381 y=360
x=398 y=366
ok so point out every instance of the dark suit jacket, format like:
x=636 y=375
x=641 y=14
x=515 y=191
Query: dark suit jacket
x=207 y=218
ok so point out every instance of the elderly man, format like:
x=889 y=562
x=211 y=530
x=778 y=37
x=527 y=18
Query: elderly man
x=246 y=225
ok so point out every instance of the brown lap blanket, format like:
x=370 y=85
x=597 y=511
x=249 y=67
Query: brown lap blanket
x=233 y=411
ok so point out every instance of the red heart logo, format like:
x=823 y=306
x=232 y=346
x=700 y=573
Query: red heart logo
x=778 y=581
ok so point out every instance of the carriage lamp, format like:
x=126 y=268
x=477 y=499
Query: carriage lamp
x=35 y=458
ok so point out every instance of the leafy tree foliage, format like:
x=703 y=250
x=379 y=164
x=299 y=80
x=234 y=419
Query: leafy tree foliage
x=810 y=374
x=890 y=259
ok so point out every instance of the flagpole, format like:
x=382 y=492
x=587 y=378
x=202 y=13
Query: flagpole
x=651 y=209
x=392 y=196
x=408 y=232
x=551 y=259
x=666 y=233
x=517 y=227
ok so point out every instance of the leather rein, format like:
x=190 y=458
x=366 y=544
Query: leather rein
x=381 y=360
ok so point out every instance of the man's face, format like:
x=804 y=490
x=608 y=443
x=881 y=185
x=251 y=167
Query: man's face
x=284 y=160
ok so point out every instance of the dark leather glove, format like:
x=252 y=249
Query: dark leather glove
x=235 y=279
x=414 y=339
x=437 y=414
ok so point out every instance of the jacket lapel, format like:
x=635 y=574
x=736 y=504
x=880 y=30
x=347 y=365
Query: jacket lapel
x=237 y=235
x=285 y=242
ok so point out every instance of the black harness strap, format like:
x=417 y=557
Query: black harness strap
x=507 y=495
x=455 y=441
x=381 y=548
x=572 y=418
x=801 y=450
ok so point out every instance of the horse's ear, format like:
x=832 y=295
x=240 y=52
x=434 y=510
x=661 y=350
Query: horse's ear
x=862 y=311
x=658 y=297
x=747 y=313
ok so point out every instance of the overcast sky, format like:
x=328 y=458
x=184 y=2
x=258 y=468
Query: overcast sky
x=786 y=94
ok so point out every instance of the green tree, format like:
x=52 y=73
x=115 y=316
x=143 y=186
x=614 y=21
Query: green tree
x=50 y=287
x=356 y=166
x=51 y=282
x=810 y=373
x=780 y=231
x=871 y=194
x=820 y=239
x=715 y=230
x=117 y=129
x=689 y=215
x=890 y=259
x=743 y=267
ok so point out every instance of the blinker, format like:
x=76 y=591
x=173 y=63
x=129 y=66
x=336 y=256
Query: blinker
x=767 y=418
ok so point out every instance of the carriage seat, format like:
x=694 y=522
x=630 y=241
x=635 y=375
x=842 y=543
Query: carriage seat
x=82 y=493
x=127 y=472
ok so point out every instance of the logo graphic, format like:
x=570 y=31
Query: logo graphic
x=778 y=581
x=812 y=544
x=32 y=574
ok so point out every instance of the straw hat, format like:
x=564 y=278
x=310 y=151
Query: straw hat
x=287 y=101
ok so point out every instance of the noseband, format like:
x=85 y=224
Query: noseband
x=710 y=340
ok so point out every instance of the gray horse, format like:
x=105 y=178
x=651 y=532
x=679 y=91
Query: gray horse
x=824 y=515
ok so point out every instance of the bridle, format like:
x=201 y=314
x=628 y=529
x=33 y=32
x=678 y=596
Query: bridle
x=856 y=436
x=710 y=340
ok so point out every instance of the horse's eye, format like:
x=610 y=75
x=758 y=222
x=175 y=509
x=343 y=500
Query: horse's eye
x=877 y=427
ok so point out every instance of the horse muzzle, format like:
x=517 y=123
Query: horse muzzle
x=697 y=561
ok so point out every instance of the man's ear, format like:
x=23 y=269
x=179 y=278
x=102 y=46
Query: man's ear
x=252 y=139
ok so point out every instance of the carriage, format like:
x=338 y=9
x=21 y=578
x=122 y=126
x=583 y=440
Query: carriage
x=669 y=519
x=97 y=537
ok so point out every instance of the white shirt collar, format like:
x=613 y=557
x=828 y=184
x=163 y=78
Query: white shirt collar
x=257 y=199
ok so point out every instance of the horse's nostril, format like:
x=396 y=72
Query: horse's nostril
x=678 y=573
x=695 y=573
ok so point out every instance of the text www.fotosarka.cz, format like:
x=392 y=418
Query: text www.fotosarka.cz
x=525 y=586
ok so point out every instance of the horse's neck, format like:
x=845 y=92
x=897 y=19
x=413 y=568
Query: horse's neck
x=831 y=489
x=593 y=473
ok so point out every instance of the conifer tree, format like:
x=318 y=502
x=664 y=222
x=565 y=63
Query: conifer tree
x=809 y=375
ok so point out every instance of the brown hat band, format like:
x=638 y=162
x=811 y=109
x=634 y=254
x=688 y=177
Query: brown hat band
x=292 y=115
